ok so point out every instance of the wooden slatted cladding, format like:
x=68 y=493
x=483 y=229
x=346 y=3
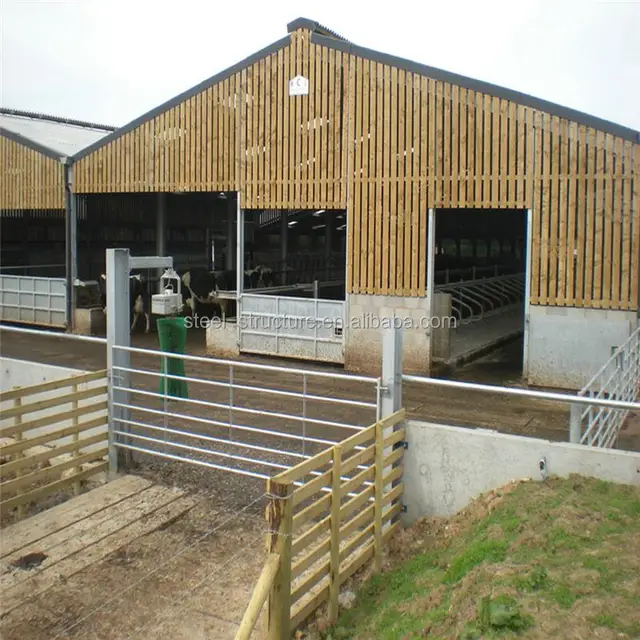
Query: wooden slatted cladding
x=291 y=149
x=29 y=179
x=388 y=142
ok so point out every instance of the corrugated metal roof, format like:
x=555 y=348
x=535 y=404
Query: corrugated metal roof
x=62 y=136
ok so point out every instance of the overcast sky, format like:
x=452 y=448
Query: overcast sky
x=109 y=61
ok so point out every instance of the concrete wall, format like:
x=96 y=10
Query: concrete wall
x=222 y=340
x=447 y=467
x=23 y=373
x=369 y=316
x=567 y=346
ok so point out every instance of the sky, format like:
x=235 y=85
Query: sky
x=109 y=61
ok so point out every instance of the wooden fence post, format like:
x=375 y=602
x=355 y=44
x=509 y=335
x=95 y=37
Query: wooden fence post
x=334 y=567
x=379 y=491
x=19 y=436
x=280 y=521
x=76 y=437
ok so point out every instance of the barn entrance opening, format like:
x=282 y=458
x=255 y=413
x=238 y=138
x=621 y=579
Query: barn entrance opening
x=294 y=303
x=480 y=265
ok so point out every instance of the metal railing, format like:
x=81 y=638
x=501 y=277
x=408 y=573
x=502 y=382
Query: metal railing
x=53 y=334
x=232 y=416
x=476 y=299
x=618 y=379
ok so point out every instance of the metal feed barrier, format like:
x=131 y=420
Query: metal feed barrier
x=617 y=379
x=33 y=300
x=476 y=299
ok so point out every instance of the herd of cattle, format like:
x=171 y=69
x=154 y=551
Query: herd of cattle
x=200 y=292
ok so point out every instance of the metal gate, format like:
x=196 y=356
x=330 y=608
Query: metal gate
x=306 y=328
x=33 y=300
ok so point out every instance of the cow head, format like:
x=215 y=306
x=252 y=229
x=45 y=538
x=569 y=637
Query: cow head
x=186 y=279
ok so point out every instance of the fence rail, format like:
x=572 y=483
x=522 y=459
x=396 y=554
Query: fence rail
x=53 y=435
x=617 y=379
x=328 y=516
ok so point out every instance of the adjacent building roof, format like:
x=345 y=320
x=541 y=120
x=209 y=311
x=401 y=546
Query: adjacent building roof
x=55 y=137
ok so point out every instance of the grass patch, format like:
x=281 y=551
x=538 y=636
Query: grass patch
x=541 y=558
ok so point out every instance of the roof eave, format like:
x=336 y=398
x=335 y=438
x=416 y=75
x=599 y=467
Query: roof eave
x=478 y=85
x=31 y=144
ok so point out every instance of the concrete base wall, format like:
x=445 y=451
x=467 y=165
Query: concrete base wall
x=447 y=467
x=222 y=340
x=370 y=315
x=90 y=322
x=567 y=346
x=23 y=373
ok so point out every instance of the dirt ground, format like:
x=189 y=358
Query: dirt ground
x=190 y=580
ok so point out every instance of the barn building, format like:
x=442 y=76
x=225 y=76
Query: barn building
x=374 y=186
x=35 y=184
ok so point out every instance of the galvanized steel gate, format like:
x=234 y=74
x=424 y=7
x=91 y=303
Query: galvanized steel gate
x=33 y=300
x=306 y=328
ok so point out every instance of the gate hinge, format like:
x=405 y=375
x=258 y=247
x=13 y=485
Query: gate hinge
x=384 y=389
x=403 y=443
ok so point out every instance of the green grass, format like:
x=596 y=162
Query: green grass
x=558 y=553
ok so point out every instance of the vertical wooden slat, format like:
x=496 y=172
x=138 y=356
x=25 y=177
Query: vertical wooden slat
x=462 y=162
x=446 y=145
x=333 y=129
x=292 y=127
x=504 y=154
x=210 y=155
x=581 y=210
x=182 y=146
x=343 y=88
x=598 y=248
x=439 y=142
x=456 y=144
x=563 y=150
x=408 y=193
x=314 y=113
x=350 y=176
x=479 y=149
x=193 y=123
x=495 y=151
x=386 y=171
x=393 y=201
x=627 y=217
x=378 y=257
x=415 y=201
x=471 y=149
x=520 y=152
x=256 y=144
x=572 y=146
x=607 y=221
x=364 y=179
x=424 y=167
x=545 y=204
x=553 y=221
x=286 y=154
x=298 y=123
x=400 y=206
x=261 y=141
x=635 y=244
x=590 y=221
x=486 y=160
x=357 y=180
x=616 y=251
x=512 y=189
x=280 y=98
x=327 y=127
x=371 y=181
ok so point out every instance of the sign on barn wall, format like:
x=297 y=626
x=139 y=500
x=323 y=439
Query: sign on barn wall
x=299 y=86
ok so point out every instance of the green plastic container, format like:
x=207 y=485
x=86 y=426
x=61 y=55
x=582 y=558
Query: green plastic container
x=172 y=335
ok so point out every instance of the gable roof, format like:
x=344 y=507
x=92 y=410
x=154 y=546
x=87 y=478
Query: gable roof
x=52 y=136
x=323 y=36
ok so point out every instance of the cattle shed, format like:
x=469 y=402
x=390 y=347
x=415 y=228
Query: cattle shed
x=36 y=267
x=375 y=186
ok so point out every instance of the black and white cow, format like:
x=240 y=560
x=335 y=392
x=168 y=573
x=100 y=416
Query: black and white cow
x=200 y=294
x=139 y=299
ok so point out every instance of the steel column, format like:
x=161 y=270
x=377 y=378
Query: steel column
x=161 y=231
x=431 y=280
x=118 y=333
x=71 y=245
x=527 y=295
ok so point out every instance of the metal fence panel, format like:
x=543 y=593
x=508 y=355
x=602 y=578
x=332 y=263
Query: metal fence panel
x=307 y=328
x=33 y=300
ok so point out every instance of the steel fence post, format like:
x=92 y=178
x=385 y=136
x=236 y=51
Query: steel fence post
x=574 y=423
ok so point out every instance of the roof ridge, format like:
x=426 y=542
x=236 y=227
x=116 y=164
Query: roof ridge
x=314 y=27
x=49 y=118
